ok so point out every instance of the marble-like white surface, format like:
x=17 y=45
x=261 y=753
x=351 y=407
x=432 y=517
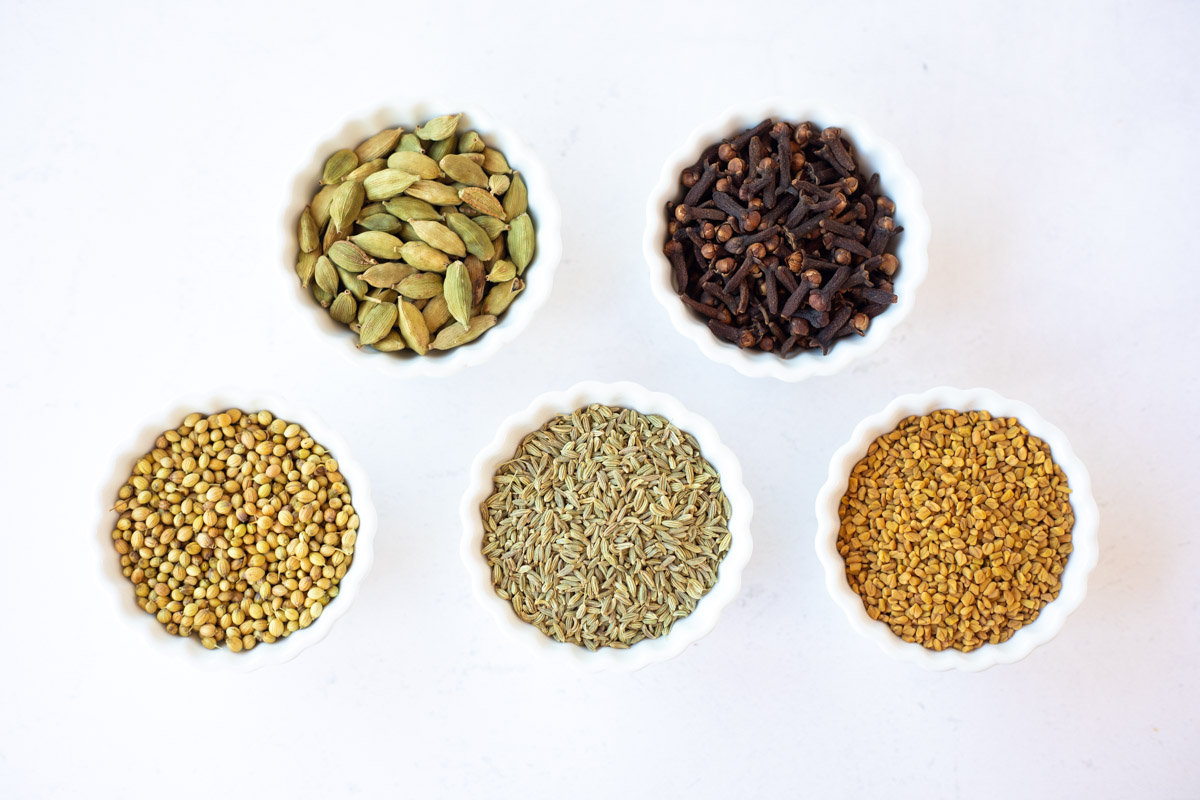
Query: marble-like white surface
x=147 y=150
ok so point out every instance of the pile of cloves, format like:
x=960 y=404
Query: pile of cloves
x=780 y=242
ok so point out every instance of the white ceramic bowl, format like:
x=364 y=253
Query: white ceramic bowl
x=538 y=277
x=684 y=632
x=1079 y=565
x=875 y=155
x=118 y=591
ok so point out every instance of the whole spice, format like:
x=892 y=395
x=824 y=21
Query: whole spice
x=606 y=527
x=956 y=529
x=782 y=198
x=401 y=211
x=237 y=528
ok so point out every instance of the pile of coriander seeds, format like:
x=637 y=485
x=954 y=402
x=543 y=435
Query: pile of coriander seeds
x=236 y=528
x=417 y=241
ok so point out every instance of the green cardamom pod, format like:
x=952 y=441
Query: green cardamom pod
x=424 y=257
x=412 y=327
x=408 y=233
x=373 y=298
x=475 y=238
x=357 y=286
x=436 y=313
x=438 y=128
x=378 y=145
x=478 y=275
x=306 y=264
x=377 y=323
x=498 y=184
x=437 y=235
x=378 y=244
x=420 y=287
x=391 y=343
x=463 y=170
x=481 y=200
x=516 y=200
x=388 y=183
x=457 y=288
x=381 y=222
x=492 y=226
x=326 y=276
x=459 y=334
x=344 y=309
x=320 y=204
x=369 y=209
x=347 y=202
x=364 y=171
x=387 y=274
x=308 y=235
x=323 y=297
x=350 y=256
x=470 y=142
x=495 y=162
x=332 y=234
x=410 y=143
x=417 y=163
x=501 y=295
x=445 y=147
x=338 y=165
x=501 y=271
x=438 y=194
x=521 y=242
x=410 y=208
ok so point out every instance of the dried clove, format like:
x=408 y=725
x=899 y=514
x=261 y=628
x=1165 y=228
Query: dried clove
x=788 y=239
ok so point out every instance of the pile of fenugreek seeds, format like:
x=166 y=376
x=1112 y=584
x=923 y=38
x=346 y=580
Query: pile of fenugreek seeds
x=606 y=527
x=956 y=528
x=417 y=241
x=236 y=528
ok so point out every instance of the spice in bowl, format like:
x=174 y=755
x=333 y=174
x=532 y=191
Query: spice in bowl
x=236 y=528
x=779 y=241
x=956 y=529
x=417 y=241
x=606 y=527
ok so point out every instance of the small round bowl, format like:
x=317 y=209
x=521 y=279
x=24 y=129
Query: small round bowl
x=539 y=275
x=684 y=632
x=1083 y=536
x=875 y=155
x=118 y=591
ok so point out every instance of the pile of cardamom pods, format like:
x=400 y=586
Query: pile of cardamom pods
x=417 y=241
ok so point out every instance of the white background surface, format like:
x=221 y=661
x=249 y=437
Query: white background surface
x=147 y=150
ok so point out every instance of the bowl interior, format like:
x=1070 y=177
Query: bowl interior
x=683 y=632
x=875 y=155
x=1074 y=579
x=188 y=650
x=538 y=276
